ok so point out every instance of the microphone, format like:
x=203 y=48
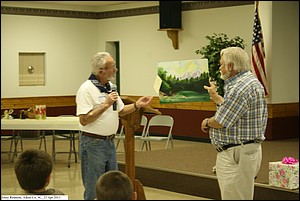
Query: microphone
x=114 y=88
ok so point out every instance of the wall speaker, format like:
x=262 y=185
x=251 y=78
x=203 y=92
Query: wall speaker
x=169 y=14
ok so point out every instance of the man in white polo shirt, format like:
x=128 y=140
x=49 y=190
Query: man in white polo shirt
x=98 y=108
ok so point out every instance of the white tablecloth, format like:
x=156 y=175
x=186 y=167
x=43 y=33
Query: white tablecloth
x=50 y=123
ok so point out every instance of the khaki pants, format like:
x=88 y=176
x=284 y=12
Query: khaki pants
x=236 y=169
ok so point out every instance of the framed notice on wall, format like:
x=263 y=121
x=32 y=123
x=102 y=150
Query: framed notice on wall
x=31 y=68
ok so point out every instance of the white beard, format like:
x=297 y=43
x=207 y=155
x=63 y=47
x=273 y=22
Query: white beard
x=111 y=78
x=225 y=76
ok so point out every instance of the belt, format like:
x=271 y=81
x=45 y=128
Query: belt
x=109 y=137
x=225 y=147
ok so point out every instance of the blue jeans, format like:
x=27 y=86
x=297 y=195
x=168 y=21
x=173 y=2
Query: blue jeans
x=97 y=157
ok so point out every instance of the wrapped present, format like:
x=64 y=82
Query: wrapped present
x=285 y=173
x=40 y=112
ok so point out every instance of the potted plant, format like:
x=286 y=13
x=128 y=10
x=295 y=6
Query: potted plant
x=217 y=42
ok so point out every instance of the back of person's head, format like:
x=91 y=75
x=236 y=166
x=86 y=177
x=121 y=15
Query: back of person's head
x=114 y=185
x=237 y=56
x=33 y=169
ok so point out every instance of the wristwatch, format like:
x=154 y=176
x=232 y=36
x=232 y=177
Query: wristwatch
x=219 y=104
x=206 y=124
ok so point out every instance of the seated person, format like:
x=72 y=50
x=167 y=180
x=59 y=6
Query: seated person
x=115 y=185
x=33 y=169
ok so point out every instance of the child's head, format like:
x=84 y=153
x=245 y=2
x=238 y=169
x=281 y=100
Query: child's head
x=33 y=169
x=115 y=185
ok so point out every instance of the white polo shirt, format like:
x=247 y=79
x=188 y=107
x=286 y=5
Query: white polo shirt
x=89 y=96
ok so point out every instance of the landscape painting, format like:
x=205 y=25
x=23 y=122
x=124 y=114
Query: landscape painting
x=183 y=81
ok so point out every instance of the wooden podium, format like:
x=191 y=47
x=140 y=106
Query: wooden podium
x=132 y=124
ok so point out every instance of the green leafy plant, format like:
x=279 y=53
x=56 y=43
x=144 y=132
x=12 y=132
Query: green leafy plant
x=217 y=42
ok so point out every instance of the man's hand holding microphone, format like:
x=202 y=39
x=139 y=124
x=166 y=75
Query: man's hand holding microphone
x=112 y=97
x=114 y=89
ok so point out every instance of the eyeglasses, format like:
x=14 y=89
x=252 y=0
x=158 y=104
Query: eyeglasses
x=110 y=68
x=113 y=67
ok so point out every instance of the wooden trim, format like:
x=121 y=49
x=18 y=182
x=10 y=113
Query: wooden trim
x=49 y=101
x=283 y=110
x=275 y=110
x=196 y=5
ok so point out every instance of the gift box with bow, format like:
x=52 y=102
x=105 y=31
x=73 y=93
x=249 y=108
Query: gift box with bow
x=285 y=173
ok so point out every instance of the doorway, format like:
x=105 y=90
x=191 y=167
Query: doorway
x=113 y=47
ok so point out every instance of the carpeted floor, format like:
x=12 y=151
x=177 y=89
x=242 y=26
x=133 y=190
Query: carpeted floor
x=200 y=157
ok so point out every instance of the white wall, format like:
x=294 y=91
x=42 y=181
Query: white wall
x=70 y=43
x=143 y=46
x=285 y=52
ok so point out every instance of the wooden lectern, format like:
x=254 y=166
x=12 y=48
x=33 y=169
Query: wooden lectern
x=132 y=124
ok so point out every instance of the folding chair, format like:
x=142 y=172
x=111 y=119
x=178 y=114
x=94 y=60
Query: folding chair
x=158 y=121
x=121 y=135
x=11 y=151
x=26 y=135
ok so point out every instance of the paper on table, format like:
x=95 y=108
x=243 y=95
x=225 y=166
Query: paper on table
x=157 y=84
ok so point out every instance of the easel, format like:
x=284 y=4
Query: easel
x=132 y=124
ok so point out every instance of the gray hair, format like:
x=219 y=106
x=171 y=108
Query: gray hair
x=238 y=57
x=99 y=61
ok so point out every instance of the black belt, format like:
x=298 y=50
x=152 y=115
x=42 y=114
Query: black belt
x=109 y=137
x=225 y=147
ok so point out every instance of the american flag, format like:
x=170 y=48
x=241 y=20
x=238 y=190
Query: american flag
x=258 y=52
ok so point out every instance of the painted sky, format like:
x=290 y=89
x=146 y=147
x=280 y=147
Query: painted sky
x=184 y=67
